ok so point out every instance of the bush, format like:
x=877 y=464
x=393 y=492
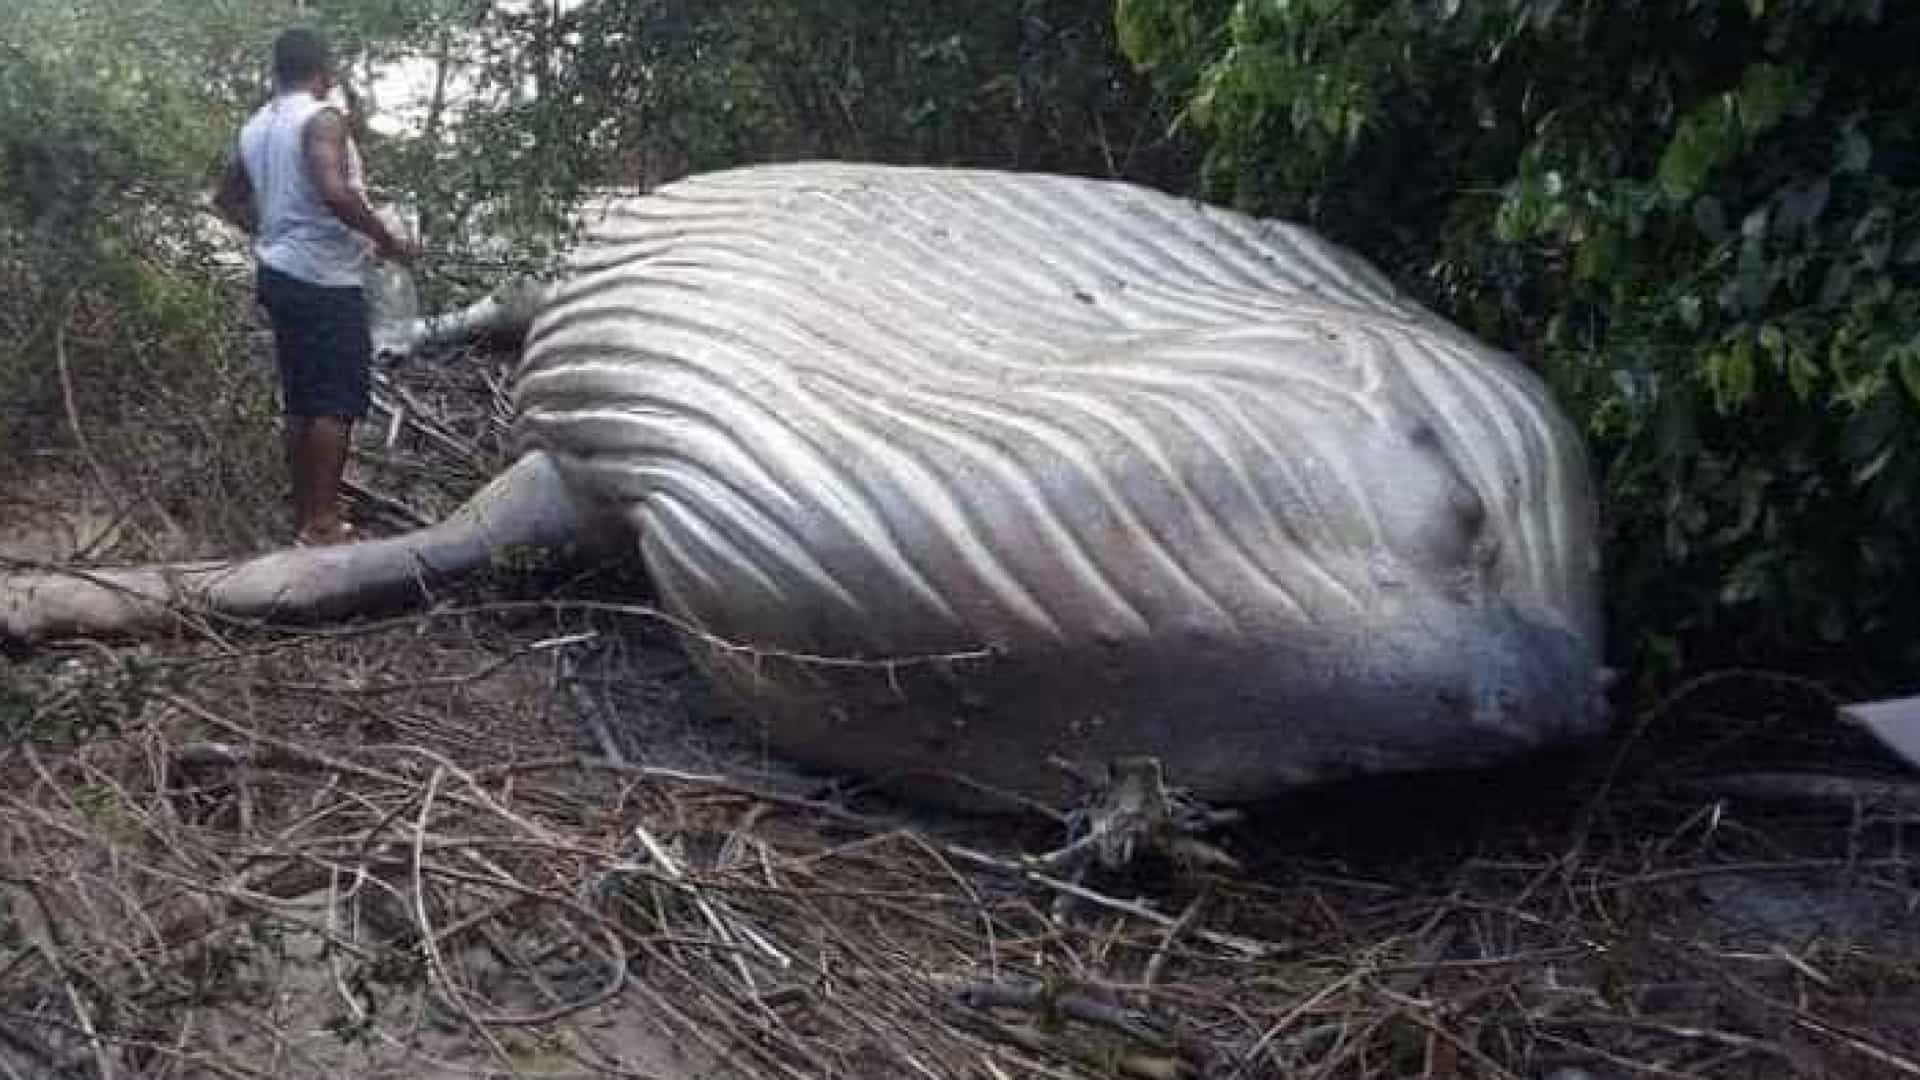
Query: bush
x=1701 y=220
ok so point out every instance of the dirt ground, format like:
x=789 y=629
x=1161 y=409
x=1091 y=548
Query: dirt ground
x=513 y=834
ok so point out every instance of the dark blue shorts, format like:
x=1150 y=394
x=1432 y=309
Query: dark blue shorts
x=323 y=344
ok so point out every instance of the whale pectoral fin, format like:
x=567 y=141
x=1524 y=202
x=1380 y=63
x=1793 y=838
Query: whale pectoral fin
x=506 y=312
x=528 y=506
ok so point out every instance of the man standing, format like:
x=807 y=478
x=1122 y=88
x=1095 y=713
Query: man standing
x=294 y=186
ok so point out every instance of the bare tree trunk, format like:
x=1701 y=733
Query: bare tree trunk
x=430 y=133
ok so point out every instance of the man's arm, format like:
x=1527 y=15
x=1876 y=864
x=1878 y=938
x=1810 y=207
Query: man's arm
x=326 y=146
x=233 y=200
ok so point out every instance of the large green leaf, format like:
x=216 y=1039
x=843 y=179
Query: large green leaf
x=1704 y=140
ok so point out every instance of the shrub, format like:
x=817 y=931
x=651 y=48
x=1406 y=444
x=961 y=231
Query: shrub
x=1701 y=220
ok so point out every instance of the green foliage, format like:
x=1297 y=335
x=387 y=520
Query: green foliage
x=648 y=91
x=1702 y=221
x=108 y=120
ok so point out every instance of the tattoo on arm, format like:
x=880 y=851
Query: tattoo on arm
x=326 y=152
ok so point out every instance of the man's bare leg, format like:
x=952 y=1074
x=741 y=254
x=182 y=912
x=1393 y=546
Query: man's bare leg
x=319 y=460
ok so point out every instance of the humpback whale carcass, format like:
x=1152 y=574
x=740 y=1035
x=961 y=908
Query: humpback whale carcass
x=1156 y=478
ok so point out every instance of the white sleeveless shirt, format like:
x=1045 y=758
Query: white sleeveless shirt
x=298 y=234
